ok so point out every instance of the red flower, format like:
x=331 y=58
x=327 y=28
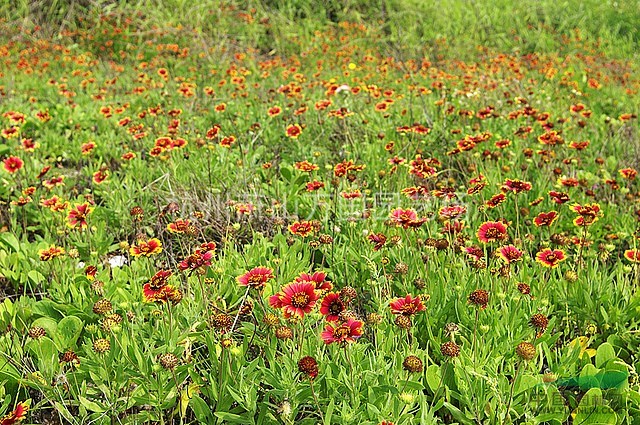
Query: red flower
x=628 y=173
x=293 y=131
x=318 y=279
x=515 y=186
x=406 y=218
x=378 y=240
x=146 y=248
x=100 y=176
x=587 y=214
x=178 y=226
x=452 y=211
x=545 y=218
x=314 y=185
x=162 y=294
x=559 y=197
x=256 y=277
x=331 y=307
x=343 y=333
x=495 y=200
x=295 y=299
x=550 y=257
x=632 y=255
x=78 y=216
x=407 y=306
x=510 y=254
x=200 y=258
x=302 y=228
x=345 y=167
x=474 y=252
x=492 y=231
x=13 y=164
x=18 y=414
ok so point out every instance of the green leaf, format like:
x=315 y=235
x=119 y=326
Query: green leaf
x=329 y=412
x=10 y=241
x=90 y=405
x=231 y=417
x=604 y=353
x=68 y=332
x=433 y=377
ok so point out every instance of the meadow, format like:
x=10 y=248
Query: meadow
x=280 y=212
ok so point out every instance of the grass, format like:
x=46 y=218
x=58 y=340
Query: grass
x=348 y=156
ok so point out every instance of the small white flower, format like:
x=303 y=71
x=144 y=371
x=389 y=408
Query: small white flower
x=80 y=265
x=117 y=261
x=342 y=88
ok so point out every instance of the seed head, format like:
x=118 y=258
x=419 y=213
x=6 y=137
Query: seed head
x=37 y=332
x=450 y=349
x=412 y=364
x=101 y=346
x=168 y=360
x=526 y=351
x=309 y=366
x=102 y=307
x=480 y=298
x=284 y=332
x=403 y=322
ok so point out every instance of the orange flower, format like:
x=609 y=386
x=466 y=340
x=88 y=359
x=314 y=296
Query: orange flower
x=628 y=173
x=306 y=166
x=293 y=131
x=632 y=255
x=17 y=415
x=178 y=226
x=146 y=248
x=302 y=228
x=51 y=253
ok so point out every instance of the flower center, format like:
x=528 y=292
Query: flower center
x=300 y=300
x=336 y=307
x=341 y=332
x=493 y=233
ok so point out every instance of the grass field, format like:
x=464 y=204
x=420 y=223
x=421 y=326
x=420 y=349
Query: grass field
x=282 y=212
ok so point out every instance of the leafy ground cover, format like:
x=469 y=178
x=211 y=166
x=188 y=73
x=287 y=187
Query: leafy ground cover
x=264 y=212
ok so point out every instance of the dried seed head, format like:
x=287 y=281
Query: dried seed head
x=374 y=318
x=403 y=322
x=284 y=332
x=221 y=321
x=524 y=288
x=526 y=351
x=480 y=298
x=539 y=321
x=168 y=360
x=450 y=349
x=102 y=307
x=348 y=294
x=450 y=329
x=412 y=364
x=37 y=332
x=419 y=283
x=401 y=268
x=309 y=366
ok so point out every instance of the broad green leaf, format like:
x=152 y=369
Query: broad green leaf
x=69 y=329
